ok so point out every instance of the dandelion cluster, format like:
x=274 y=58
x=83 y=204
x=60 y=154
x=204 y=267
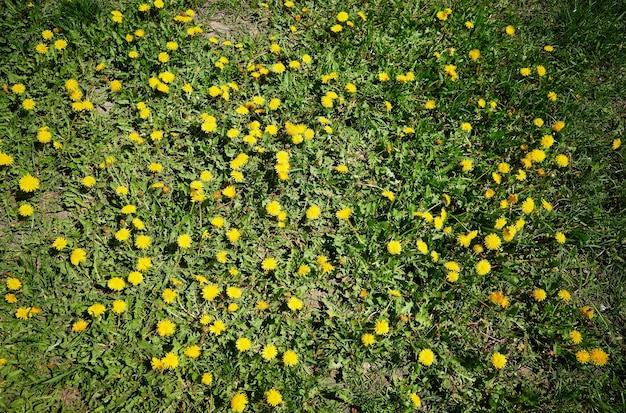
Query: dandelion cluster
x=254 y=217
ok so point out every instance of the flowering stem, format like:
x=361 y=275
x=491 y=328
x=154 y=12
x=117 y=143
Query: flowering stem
x=356 y=233
x=200 y=210
x=180 y=256
x=95 y=261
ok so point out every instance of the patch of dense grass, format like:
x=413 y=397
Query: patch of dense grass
x=343 y=207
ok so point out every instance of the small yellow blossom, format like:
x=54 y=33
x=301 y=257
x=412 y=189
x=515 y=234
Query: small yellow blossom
x=575 y=336
x=381 y=327
x=599 y=357
x=560 y=237
x=79 y=326
x=564 y=295
x=426 y=357
x=119 y=306
x=467 y=165
x=483 y=267
x=290 y=358
x=394 y=247
x=616 y=144
x=539 y=294
x=583 y=356
x=588 y=312
x=344 y=214
x=498 y=360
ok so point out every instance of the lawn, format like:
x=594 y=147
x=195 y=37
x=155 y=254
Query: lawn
x=350 y=206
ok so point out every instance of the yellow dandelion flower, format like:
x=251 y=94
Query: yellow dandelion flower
x=575 y=336
x=564 y=295
x=295 y=304
x=498 y=360
x=426 y=357
x=135 y=278
x=539 y=294
x=269 y=264
x=381 y=327
x=616 y=143
x=221 y=257
x=5 y=159
x=583 y=356
x=269 y=352
x=528 y=206
x=143 y=242
x=116 y=284
x=415 y=399
x=184 y=241
x=122 y=234
x=217 y=222
x=169 y=296
x=483 y=267
x=233 y=292
x=238 y=402
x=368 y=339
x=290 y=358
x=342 y=16
x=273 y=397
x=128 y=209
x=243 y=344
x=210 y=292
x=207 y=379
x=14 y=284
x=166 y=328
x=60 y=44
x=394 y=247
x=170 y=361
x=78 y=256
x=313 y=212
x=28 y=183
x=193 y=351
x=119 y=306
x=492 y=242
x=587 y=312
x=344 y=214
x=96 y=310
x=452 y=276
x=422 y=247
x=562 y=160
x=229 y=191
x=599 y=357
x=144 y=263
x=79 y=326
x=467 y=165
x=558 y=126
x=26 y=210
x=541 y=70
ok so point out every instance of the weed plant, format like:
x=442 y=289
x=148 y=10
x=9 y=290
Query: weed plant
x=373 y=206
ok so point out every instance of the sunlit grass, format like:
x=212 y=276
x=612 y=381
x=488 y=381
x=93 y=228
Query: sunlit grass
x=304 y=207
